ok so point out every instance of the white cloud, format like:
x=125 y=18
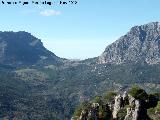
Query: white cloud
x=50 y=13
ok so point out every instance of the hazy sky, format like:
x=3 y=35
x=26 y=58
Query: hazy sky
x=78 y=31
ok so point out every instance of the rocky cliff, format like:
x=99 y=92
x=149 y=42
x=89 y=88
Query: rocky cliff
x=140 y=44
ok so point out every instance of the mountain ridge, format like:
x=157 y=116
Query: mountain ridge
x=137 y=36
x=37 y=89
x=24 y=49
x=141 y=43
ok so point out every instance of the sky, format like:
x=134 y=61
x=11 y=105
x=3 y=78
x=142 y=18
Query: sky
x=81 y=30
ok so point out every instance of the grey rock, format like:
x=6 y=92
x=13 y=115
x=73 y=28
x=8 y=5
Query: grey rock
x=117 y=106
x=140 y=44
x=137 y=110
x=83 y=115
x=92 y=113
x=133 y=113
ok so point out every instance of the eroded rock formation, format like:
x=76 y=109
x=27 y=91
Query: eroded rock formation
x=135 y=109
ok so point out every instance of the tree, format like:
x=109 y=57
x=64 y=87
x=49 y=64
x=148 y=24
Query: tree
x=138 y=93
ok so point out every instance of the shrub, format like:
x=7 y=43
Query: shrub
x=154 y=113
x=152 y=100
x=110 y=96
x=84 y=106
x=138 y=93
x=98 y=99
x=122 y=113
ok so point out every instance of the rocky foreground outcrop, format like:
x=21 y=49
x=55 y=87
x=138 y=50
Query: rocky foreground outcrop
x=122 y=107
x=135 y=111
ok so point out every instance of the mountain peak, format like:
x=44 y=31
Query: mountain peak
x=147 y=27
x=140 y=44
x=22 y=48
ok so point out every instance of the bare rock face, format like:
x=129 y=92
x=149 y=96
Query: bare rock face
x=125 y=95
x=137 y=110
x=125 y=99
x=131 y=100
x=117 y=106
x=140 y=44
x=133 y=113
x=83 y=115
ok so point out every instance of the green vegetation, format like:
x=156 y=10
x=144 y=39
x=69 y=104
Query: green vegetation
x=109 y=96
x=84 y=106
x=103 y=112
x=122 y=113
x=44 y=88
x=154 y=113
x=98 y=99
x=138 y=93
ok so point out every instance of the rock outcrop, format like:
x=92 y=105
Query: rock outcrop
x=93 y=113
x=135 y=110
x=117 y=105
x=84 y=115
x=140 y=44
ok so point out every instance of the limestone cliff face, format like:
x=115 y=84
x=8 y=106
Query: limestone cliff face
x=137 y=111
x=117 y=106
x=141 y=43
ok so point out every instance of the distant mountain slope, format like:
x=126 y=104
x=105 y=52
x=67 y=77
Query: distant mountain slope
x=21 y=48
x=46 y=87
x=141 y=43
